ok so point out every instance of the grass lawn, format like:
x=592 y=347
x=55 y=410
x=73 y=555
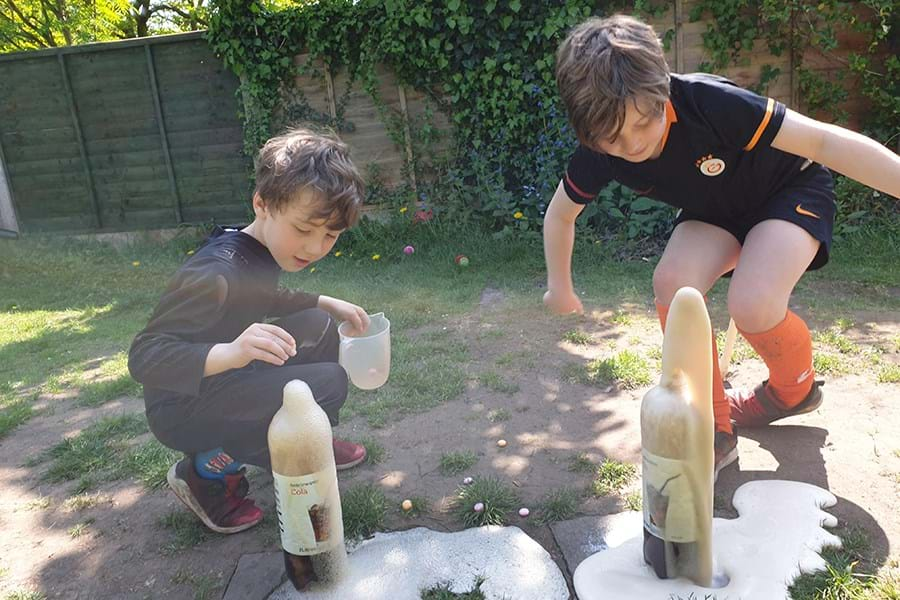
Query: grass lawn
x=68 y=312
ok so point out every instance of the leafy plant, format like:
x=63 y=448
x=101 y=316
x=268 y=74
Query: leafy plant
x=496 y=498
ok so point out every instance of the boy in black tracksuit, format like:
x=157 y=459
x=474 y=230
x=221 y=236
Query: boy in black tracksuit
x=750 y=177
x=213 y=365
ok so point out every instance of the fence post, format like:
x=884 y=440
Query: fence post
x=329 y=92
x=8 y=221
x=679 y=36
x=795 y=79
x=407 y=138
x=164 y=138
x=73 y=110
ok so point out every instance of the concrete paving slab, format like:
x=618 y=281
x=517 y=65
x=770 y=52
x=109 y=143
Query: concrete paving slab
x=256 y=576
x=584 y=536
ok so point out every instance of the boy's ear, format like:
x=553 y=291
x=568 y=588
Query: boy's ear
x=259 y=207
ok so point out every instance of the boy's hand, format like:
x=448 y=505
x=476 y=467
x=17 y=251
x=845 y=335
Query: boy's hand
x=346 y=311
x=261 y=341
x=563 y=303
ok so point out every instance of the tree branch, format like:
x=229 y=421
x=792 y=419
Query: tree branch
x=38 y=34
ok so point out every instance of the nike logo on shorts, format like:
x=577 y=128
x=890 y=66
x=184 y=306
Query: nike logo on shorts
x=803 y=211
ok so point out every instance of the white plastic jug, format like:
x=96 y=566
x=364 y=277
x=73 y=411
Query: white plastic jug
x=367 y=357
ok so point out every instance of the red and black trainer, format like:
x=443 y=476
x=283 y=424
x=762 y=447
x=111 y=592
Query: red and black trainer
x=347 y=454
x=761 y=406
x=221 y=504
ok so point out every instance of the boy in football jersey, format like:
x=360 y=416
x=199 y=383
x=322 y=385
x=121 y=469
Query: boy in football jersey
x=750 y=177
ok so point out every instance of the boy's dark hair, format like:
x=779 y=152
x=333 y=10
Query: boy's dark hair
x=302 y=160
x=601 y=66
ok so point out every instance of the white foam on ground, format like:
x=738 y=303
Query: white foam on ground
x=777 y=536
x=398 y=566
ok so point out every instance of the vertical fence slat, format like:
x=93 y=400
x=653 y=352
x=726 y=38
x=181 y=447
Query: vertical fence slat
x=8 y=220
x=679 y=36
x=407 y=138
x=329 y=91
x=164 y=138
x=793 y=66
x=73 y=110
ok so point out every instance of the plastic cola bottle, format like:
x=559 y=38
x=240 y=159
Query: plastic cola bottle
x=677 y=447
x=306 y=489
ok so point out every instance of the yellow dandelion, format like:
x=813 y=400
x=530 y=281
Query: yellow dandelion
x=376 y=256
x=136 y=263
x=403 y=209
x=338 y=253
x=518 y=214
x=189 y=252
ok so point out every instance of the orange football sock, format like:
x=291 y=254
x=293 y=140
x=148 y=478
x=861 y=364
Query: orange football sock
x=787 y=351
x=721 y=410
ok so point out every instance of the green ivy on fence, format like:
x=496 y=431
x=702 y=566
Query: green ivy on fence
x=797 y=26
x=489 y=65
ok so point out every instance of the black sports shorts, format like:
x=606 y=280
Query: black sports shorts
x=808 y=202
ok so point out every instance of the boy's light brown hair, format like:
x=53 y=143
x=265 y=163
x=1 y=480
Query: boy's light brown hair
x=602 y=66
x=302 y=160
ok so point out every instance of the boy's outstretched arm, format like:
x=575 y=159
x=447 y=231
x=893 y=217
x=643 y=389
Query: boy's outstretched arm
x=559 y=237
x=847 y=152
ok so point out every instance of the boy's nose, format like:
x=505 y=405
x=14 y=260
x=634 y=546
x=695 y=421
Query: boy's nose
x=316 y=247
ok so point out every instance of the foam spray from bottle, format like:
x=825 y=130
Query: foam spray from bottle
x=677 y=448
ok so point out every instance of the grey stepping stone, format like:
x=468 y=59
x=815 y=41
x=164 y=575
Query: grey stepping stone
x=256 y=576
x=581 y=537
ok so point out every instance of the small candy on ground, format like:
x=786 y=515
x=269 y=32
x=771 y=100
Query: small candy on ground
x=479 y=507
x=407 y=505
x=409 y=250
x=524 y=512
x=501 y=443
x=467 y=481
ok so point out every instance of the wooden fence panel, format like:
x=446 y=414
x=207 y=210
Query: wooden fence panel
x=205 y=138
x=116 y=121
x=123 y=135
x=38 y=139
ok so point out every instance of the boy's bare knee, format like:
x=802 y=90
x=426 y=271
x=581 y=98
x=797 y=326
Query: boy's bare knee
x=666 y=282
x=754 y=311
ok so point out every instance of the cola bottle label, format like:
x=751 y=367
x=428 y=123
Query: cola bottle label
x=668 y=501
x=304 y=512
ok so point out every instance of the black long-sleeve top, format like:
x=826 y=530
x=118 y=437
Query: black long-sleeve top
x=229 y=284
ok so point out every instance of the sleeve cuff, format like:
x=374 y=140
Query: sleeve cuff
x=576 y=194
x=768 y=127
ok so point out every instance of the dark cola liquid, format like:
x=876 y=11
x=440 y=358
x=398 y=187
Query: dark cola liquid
x=303 y=570
x=655 y=555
